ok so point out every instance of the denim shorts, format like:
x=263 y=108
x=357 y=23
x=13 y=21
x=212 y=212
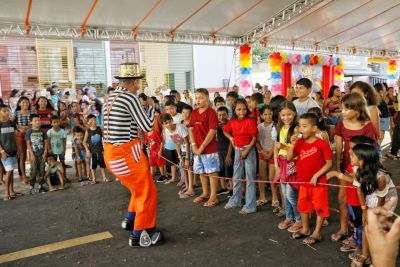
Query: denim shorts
x=384 y=124
x=333 y=120
x=10 y=163
x=208 y=163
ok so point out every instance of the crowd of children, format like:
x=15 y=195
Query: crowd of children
x=232 y=146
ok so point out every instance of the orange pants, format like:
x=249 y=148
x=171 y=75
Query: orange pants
x=128 y=163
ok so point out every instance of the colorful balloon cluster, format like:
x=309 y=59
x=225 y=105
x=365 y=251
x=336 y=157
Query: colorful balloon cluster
x=245 y=69
x=339 y=74
x=277 y=58
x=392 y=75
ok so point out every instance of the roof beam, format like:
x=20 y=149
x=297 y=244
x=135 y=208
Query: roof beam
x=172 y=32
x=28 y=14
x=135 y=29
x=83 y=26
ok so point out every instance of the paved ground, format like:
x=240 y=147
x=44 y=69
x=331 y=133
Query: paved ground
x=196 y=236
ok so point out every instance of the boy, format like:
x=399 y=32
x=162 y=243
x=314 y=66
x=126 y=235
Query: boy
x=8 y=151
x=313 y=162
x=256 y=101
x=58 y=140
x=155 y=144
x=54 y=171
x=171 y=154
x=219 y=101
x=94 y=148
x=37 y=145
x=170 y=107
x=304 y=102
x=225 y=151
x=202 y=132
x=230 y=99
x=78 y=154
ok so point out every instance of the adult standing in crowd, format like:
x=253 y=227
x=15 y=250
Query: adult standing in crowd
x=187 y=99
x=124 y=157
x=178 y=102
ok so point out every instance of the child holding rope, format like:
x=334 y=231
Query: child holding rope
x=242 y=132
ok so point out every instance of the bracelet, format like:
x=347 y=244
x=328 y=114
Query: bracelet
x=340 y=176
x=364 y=207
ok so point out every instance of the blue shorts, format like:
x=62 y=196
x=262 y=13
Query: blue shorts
x=384 y=124
x=60 y=157
x=208 y=163
x=10 y=163
x=333 y=120
x=82 y=155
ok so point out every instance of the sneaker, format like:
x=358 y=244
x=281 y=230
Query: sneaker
x=146 y=239
x=162 y=179
x=127 y=224
x=222 y=191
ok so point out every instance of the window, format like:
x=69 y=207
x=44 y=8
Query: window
x=170 y=80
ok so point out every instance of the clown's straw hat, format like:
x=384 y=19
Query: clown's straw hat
x=129 y=71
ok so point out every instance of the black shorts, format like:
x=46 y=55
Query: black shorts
x=97 y=159
x=171 y=156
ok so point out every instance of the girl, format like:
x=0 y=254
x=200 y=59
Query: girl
x=265 y=143
x=44 y=110
x=372 y=97
x=23 y=123
x=242 y=132
x=287 y=135
x=187 y=99
x=63 y=115
x=13 y=100
x=77 y=116
x=392 y=104
x=332 y=109
x=321 y=132
x=374 y=188
x=85 y=106
x=356 y=121
x=384 y=113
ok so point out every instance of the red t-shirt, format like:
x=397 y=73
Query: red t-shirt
x=311 y=158
x=255 y=114
x=154 y=141
x=202 y=123
x=45 y=116
x=351 y=193
x=346 y=134
x=242 y=130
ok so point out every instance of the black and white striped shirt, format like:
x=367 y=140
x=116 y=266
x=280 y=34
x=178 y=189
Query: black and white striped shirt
x=126 y=117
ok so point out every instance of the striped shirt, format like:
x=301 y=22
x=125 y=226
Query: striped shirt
x=21 y=119
x=127 y=116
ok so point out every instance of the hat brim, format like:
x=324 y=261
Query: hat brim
x=127 y=78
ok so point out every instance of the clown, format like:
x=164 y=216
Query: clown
x=123 y=118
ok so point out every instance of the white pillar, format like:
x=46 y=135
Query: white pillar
x=107 y=53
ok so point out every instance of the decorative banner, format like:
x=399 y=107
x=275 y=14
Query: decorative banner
x=277 y=58
x=245 y=70
x=314 y=73
x=392 y=75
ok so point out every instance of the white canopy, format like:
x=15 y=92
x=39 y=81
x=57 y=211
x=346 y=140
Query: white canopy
x=364 y=27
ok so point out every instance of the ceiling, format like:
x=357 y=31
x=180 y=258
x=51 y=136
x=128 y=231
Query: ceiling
x=341 y=26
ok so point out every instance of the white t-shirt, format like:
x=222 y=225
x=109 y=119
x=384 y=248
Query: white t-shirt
x=389 y=192
x=178 y=136
x=303 y=107
x=177 y=118
x=266 y=136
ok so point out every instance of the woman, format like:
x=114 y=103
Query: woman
x=13 y=100
x=267 y=97
x=23 y=123
x=332 y=109
x=187 y=99
x=44 y=110
x=392 y=103
x=384 y=113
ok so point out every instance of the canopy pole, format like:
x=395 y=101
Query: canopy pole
x=83 y=27
x=135 y=29
x=28 y=14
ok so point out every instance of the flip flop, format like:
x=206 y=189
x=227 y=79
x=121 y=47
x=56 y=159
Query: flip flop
x=184 y=195
x=211 y=204
x=261 y=202
x=200 y=199
x=298 y=235
x=311 y=240
x=17 y=194
x=338 y=237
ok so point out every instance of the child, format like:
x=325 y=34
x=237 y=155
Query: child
x=304 y=101
x=58 y=141
x=321 y=132
x=265 y=145
x=356 y=121
x=256 y=102
x=314 y=160
x=242 y=132
x=225 y=152
x=170 y=107
x=78 y=154
x=155 y=144
x=8 y=151
x=94 y=148
x=186 y=113
x=219 y=101
x=63 y=115
x=374 y=188
x=284 y=169
x=170 y=152
x=230 y=99
x=38 y=146
x=54 y=171
x=203 y=127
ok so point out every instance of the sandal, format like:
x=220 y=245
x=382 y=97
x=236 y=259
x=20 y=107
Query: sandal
x=261 y=202
x=285 y=224
x=200 y=199
x=298 y=235
x=359 y=261
x=347 y=248
x=275 y=204
x=185 y=195
x=280 y=213
x=311 y=240
x=295 y=227
x=16 y=194
x=211 y=204
x=243 y=212
x=338 y=237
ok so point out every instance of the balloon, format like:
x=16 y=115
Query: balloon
x=275 y=75
x=245 y=84
x=245 y=71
